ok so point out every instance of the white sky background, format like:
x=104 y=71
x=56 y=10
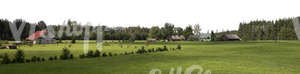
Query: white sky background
x=210 y=14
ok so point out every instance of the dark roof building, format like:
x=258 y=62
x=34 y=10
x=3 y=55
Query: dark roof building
x=230 y=37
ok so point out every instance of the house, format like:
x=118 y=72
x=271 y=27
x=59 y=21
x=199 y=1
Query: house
x=230 y=37
x=176 y=38
x=151 y=39
x=41 y=37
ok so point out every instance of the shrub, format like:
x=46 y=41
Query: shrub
x=105 y=44
x=66 y=54
x=97 y=53
x=14 y=61
x=33 y=59
x=1 y=56
x=50 y=58
x=73 y=40
x=110 y=54
x=141 y=51
x=90 y=54
x=6 y=59
x=121 y=54
x=19 y=57
x=27 y=61
x=71 y=56
x=149 y=50
x=165 y=48
x=115 y=54
x=81 y=56
x=104 y=54
x=179 y=46
x=159 y=49
x=152 y=50
x=43 y=59
x=55 y=58
x=59 y=41
x=38 y=59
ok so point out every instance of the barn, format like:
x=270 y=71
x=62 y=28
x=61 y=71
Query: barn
x=176 y=38
x=230 y=37
x=41 y=37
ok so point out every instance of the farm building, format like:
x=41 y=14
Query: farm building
x=176 y=38
x=151 y=39
x=230 y=37
x=41 y=37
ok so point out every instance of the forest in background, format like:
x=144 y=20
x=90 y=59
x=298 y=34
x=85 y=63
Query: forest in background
x=110 y=33
x=281 y=29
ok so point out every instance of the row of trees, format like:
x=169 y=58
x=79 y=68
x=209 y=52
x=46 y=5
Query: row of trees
x=281 y=29
x=168 y=30
x=110 y=33
x=19 y=57
x=6 y=34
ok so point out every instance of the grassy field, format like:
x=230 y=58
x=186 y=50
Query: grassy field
x=254 y=57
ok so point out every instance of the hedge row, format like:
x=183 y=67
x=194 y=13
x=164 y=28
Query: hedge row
x=66 y=55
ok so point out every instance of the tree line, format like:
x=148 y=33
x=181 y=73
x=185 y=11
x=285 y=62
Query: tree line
x=281 y=29
x=110 y=33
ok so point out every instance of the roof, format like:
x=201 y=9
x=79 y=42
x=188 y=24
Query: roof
x=40 y=34
x=177 y=37
x=231 y=36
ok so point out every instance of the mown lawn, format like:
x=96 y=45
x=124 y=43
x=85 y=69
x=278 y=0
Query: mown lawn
x=254 y=57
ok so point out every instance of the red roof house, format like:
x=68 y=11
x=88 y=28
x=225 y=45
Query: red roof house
x=41 y=37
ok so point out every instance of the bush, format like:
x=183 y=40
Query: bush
x=33 y=59
x=38 y=59
x=104 y=54
x=105 y=44
x=81 y=56
x=115 y=54
x=59 y=41
x=110 y=54
x=19 y=57
x=43 y=59
x=55 y=58
x=149 y=50
x=50 y=58
x=90 y=54
x=97 y=53
x=121 y=54
x=71 y=56
x=141 y=51
x=179 y=46
x=27 y=61
x=173 y=49
x=73 y=40
x=6 y=59
x=152 y=50
x=165 y=48
x=66 y=54
x=14 y=61
x=159 y=49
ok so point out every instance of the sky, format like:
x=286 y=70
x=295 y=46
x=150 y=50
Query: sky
x=209 y=14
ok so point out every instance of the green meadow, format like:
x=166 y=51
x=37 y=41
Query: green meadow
x=251 y=57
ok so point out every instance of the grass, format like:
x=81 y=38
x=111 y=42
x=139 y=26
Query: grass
x=253 y=57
